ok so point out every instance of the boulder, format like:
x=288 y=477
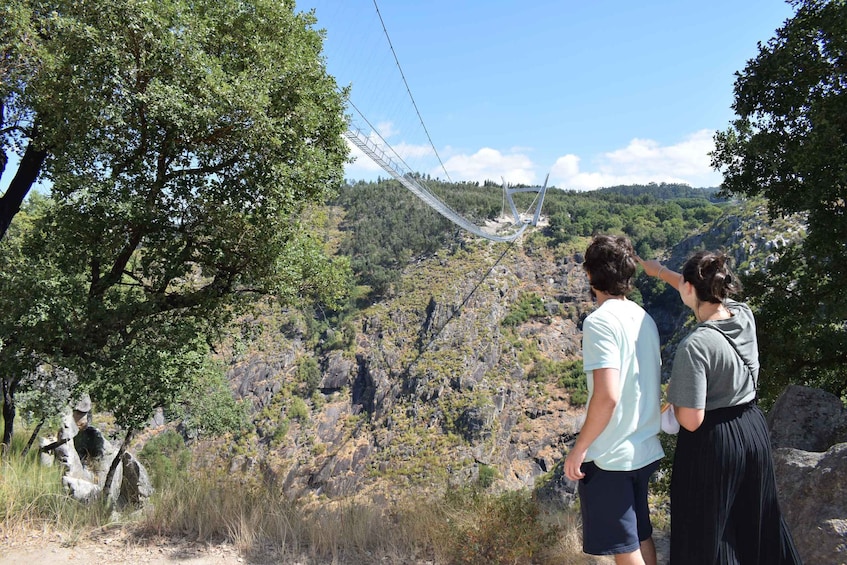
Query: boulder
x=136 y=487
x=806 y=418
x=63 y=449
x=81 y=489
x=86 y=456
x=813 y=497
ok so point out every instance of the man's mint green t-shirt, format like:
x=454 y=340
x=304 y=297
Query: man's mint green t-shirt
x=621 y=335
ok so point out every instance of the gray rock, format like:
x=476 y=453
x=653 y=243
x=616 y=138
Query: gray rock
x=339 y=372
x=806 y=418
x=83 y=404
x=813 y=497
x=474 y=423
x=136 y=487
x=557 y=492
x=81 y=489
x=90 y=443
x=158 y=420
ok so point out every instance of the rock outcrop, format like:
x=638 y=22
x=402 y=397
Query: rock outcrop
x=86 y=456
x=807 y=430
x=806 y=418
x=813 y=496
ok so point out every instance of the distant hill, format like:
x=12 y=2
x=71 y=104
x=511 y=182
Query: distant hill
x=664 y=191
x=386 y=226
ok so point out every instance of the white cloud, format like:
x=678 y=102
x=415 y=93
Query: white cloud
x=387 y=129
x=491 y=164
x=641 y=162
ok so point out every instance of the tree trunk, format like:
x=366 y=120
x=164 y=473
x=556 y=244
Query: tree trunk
x=32 y=438
x=8 y=413
x=110 y=476
x=28 y=172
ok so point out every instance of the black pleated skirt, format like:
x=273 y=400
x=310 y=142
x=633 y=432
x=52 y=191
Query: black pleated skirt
x=724 y=507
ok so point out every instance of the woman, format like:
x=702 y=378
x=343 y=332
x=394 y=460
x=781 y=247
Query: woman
x=724 y=506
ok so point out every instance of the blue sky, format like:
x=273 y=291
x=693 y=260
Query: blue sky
x=594 y=93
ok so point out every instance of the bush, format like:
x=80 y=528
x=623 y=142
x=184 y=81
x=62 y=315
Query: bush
x=208 y=407
x=527 y=307
x=298 y=410
x=505 y=529
x=166 y=458
x=569 y=375
x=309 y=375
x=486 y=476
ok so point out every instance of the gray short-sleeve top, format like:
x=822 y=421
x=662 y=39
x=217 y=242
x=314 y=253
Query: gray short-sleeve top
x=708 y=372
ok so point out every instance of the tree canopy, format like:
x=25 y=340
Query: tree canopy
x=182 y=142
x=789 y=143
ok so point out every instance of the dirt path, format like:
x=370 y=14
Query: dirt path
x=51 y=549
x=119 y=548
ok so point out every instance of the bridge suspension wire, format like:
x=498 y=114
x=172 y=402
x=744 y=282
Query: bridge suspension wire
x=409 y=91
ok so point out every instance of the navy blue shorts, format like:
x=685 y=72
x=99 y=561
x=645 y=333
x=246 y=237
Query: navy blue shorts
x=615 y=516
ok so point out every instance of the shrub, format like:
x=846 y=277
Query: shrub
x=298 y=410
x=528 y=306
x=309 y=375
x=166 y=458
x=486 y=476
x=504 y=529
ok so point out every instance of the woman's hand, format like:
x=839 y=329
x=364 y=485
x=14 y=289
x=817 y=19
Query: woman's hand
x=651 y=267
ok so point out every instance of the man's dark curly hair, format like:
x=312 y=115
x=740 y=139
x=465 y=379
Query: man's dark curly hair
x=610 y=263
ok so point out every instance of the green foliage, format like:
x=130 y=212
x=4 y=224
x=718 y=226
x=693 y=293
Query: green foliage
x=207 y=404
x=528 y=306
x=281 y=431
x=486 y=477
x=188 y=145
x=45 y=394
x=652 y=216
x=789 y=144
x=308 y=375
x=387 y=226
x=164 y=359
x=297 y=409
x=568 y=375
x=166 y=458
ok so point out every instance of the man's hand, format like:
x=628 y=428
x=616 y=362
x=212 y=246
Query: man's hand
x=573 y=464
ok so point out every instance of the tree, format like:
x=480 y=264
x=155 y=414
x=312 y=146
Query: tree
x=789 y=143
x=183 y=142
x=35 y=303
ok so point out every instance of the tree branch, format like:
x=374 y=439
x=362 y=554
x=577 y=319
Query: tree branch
x=28 y=172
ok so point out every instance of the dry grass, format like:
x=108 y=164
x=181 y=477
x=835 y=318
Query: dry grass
x=464 y=526
x=32 y=499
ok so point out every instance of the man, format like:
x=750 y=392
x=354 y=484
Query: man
x=618 y=447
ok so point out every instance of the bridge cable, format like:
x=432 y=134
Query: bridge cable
x=409 y=91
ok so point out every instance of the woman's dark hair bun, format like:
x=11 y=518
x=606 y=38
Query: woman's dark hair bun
x=710 y=274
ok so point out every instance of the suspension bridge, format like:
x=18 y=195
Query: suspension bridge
x=362 y=135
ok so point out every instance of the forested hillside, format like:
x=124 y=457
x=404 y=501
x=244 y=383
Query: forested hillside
x=386 y=226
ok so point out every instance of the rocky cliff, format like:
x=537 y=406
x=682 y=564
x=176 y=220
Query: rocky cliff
x=432 y=388
x=442 y=382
